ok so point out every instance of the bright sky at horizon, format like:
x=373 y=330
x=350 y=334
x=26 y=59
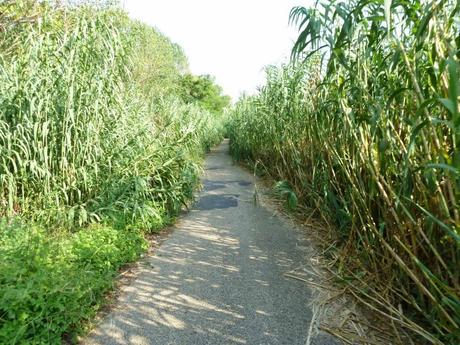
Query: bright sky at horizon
x=233 y=40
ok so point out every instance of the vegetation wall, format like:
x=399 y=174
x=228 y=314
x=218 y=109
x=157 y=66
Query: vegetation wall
x=96 y=149
x=363 y=129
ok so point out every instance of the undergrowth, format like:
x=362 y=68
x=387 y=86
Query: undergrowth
x=51 y=284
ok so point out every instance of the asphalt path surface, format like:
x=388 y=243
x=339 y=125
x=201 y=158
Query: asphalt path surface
x=218 y=278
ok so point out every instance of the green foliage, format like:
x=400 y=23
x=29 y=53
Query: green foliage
x=157 y=63
x=284 y=190
x=84 y=130
x=95 y=149
x=50 y=283
x=203 y=91
x=363 y=125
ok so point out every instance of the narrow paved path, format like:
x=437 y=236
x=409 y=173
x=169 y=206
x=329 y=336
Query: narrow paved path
x=218 y=279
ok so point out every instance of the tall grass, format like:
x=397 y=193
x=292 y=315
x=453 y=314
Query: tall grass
x=364 y=126
x=87 y=126
x=95 y=149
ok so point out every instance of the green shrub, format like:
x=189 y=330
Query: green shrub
x=49 y=284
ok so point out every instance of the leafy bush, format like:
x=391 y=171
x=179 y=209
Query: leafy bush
x=50 y=283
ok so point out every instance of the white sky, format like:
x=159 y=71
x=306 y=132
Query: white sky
x=230 y=39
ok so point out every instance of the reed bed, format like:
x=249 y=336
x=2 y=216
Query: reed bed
x=363 y=128
x=84 y=128
x=95 y=149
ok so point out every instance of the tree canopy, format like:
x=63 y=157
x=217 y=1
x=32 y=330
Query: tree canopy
x=204 y=91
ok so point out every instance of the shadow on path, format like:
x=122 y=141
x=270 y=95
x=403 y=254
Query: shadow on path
x=219 y=278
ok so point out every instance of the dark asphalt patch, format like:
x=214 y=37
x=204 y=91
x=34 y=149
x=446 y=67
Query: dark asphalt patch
x=213 y=185
x=212 y=202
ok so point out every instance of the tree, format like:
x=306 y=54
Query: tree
x=204 y=91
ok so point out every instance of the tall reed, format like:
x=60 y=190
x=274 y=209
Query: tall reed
x=96 y=149
x=364 y=126
x=88 y=126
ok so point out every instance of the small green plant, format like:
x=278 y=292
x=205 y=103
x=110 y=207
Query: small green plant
x=283 y=190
